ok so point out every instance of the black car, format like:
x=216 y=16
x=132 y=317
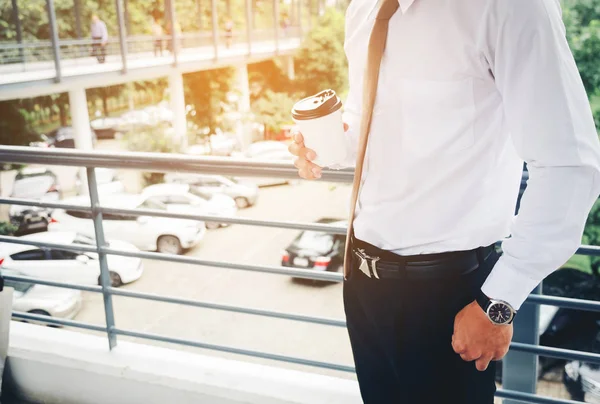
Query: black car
x=582 y=380
x=316 y=250
x=38 y=184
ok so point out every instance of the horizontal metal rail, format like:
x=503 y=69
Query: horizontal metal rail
x=45 y=282
x=532 y=398
x=229 y=308
x=278 y=270
x=324 y=228
x=57 y=321
x=237 y=351
x=564 y=302
x=162 y=162
x=558 y=353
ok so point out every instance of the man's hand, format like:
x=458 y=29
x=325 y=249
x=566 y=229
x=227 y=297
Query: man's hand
x=306 y=169
x=477 y=339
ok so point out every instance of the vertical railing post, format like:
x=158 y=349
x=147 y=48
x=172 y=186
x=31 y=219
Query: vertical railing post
x=18 y=28
x=122 y=35
x=249 y=26
x=520 y=369
x=299 y=18
x=215 y=23
x=276 y=21
x=54 y=37
x=105 y=281
x=174 y=33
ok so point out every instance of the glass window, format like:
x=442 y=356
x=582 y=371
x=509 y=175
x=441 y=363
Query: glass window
x=155 y=203
x=63 y=255
x=29 y=255
x=22 y=287
x=83 y=239
x=311 y=240
x=179 y=200
x=79 y=214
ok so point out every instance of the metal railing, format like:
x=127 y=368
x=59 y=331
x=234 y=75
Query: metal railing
x=52 y=53
x=227 y=166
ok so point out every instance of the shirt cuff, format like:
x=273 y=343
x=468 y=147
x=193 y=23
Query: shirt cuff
x=507 y=284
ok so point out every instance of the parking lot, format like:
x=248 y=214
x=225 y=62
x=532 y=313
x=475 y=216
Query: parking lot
x=301 y=202
x=305 y=202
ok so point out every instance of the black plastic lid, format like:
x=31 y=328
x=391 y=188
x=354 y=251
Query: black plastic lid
x=316 y=106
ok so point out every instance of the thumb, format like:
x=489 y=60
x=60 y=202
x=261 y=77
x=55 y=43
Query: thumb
x=346 y=127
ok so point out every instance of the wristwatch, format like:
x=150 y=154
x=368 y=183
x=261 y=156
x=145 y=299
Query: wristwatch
x=499 y=312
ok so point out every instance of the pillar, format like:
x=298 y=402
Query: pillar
x=244 y=131
x=80 y=119
x=289 y=65
x=177 y=98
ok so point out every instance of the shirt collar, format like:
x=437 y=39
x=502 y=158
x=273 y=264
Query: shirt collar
x=405 y=4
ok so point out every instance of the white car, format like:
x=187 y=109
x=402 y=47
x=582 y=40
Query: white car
x=107 y=180
x=269 y=150
x=148 y=233
x=179 y=198
x=44 y=300
x=68 y=266
x=244 y=194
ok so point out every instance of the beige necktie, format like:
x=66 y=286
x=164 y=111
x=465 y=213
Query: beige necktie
x=377 y=43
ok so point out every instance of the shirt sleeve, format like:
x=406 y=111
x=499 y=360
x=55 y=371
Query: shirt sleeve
x=548 y=115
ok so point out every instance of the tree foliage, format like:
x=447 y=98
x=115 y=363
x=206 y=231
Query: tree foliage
x=273 y=110
x=321 y=62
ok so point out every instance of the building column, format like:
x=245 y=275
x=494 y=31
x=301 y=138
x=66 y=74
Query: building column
x=244 y=131
x=80 y=120
x=177 y=98
x=289 y=65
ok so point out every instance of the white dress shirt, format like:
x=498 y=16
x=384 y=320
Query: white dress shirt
x=469 y=89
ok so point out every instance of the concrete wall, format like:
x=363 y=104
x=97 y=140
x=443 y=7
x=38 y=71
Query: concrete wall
x=59 y=366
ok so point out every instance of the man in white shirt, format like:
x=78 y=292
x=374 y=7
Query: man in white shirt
x=467 y=90
x=99 y=35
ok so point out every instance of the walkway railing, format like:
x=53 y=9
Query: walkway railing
x=513 y=364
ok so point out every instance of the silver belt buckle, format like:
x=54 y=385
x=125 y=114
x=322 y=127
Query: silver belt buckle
x=364 y=263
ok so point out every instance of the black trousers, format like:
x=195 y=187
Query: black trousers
x=401 y=334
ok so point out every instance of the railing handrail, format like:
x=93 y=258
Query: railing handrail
x=47 y=43
x=219 y=166
x=161 y=162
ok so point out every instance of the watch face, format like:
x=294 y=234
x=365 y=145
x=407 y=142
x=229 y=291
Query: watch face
x=499 y=313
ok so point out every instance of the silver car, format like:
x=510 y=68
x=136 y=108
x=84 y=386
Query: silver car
x=244 y=194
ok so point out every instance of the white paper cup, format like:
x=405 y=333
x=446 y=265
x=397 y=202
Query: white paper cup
x=319 y=119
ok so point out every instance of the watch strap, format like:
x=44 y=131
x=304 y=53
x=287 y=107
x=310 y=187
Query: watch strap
x=483 y=301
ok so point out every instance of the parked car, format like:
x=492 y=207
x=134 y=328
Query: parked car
x=106 y=127
x=63 y=137
x=243 y=193
x=179 y=198
x=107 y=180
x=582 y=380
x=316 y=250
x=567 y=328
x=164 y=235
x=43 y=300
x=68 y=266
x=268 y=150
x=33 y=183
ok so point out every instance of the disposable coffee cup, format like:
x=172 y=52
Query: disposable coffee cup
x=319 y=118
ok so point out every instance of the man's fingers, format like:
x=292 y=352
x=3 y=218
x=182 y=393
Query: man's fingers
x=482 y=363
x=346 y=127
x=470 y=356
x=298 y=138
x=458 y=346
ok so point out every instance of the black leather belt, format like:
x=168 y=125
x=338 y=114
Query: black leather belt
x=381 y=264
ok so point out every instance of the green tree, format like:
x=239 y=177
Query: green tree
x=274 y=110
x=321 y=62
x=206 y=91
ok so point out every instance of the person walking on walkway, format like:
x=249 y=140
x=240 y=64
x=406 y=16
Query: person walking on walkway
x=157 y=34
x=451 y=98
x=228 y=33
x=99 y=38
